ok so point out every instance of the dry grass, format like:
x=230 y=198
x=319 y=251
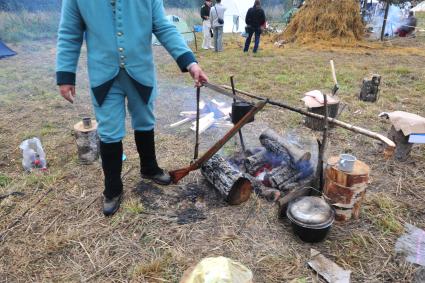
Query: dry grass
x=335 y=21
x=56 y=232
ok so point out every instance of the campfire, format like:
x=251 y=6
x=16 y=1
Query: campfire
x=272 y=169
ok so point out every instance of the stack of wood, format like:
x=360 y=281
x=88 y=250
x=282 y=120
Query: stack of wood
x=213 y=113
x=346 y=190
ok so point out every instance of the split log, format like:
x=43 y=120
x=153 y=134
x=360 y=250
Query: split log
x=273 y=142
x=87 y=141
x=269 y=194
x=403 y=147
x=281 y=176
x=204 y=123
x=233 y=185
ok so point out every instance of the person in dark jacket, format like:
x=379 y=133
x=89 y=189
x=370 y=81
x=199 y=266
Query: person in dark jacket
x=255 y=19
x=206 y=25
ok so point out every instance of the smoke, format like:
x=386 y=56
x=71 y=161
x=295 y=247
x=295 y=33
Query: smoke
x=396 y=16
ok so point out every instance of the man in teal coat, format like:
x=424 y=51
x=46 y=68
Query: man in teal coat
x=120 y=64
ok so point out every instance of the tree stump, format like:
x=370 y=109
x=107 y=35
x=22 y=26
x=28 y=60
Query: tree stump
x=346 y=190
x=370 y=88
x=87 y=141
x=232 y=184
x=317 y=124
x=403 y=147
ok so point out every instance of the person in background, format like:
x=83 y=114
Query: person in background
x=206 y=24
x=408 y=25
x=217 y=23
x=121 y=67
x=255 y=20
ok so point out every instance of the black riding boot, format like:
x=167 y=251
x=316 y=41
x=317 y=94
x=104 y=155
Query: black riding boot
x=111 y=154
x=145 y=142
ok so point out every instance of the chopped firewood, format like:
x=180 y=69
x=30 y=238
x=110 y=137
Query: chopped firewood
x=181 y=122
x=204 y=123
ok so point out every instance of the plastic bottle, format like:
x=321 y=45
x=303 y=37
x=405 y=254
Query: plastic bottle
x=33 y=155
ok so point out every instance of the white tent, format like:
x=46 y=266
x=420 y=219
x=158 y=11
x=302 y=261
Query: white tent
x=420 y=7
x=234 y=17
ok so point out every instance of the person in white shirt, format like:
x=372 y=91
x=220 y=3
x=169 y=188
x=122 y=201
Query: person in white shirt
x=206 y=25
x=217 y=23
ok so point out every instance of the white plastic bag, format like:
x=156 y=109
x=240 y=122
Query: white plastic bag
x=33 y=155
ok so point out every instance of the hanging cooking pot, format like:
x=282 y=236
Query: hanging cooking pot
x=311 y=218
x=239 y=110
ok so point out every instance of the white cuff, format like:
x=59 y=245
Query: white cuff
x=191 y=65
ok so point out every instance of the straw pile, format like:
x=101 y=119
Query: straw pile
x=325 y=20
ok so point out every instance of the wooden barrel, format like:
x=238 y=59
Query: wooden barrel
x=87 y=141
x=346 y=190
x=317 y=124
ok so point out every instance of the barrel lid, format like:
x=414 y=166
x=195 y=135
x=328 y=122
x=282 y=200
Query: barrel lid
x=311 y=212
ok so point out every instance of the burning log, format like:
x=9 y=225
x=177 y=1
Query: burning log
x=283 y=176
x=233 y=185
x=255 y=162
x=278 y=145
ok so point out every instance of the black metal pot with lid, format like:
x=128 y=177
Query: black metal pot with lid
x=311 y=218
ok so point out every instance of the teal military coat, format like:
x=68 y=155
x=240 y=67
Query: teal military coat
x=118 y=34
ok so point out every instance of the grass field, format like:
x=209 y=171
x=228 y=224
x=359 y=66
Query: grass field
x=56 y=232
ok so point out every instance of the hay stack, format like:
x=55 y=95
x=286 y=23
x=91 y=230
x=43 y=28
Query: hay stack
x=325 y=20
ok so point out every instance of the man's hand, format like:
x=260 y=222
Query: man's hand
x=198 y=75
x=67 y=92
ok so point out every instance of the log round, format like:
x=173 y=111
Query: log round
x=232 y=184
x=317 y=124
x=346 y=190
x=403 y=147
x=87 y=142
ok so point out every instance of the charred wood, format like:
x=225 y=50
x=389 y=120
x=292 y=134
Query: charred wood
x=232 y=184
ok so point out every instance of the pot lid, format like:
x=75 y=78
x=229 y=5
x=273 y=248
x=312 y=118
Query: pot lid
x=310 y=211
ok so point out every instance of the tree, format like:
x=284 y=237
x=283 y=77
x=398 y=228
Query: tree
x=387 y=8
